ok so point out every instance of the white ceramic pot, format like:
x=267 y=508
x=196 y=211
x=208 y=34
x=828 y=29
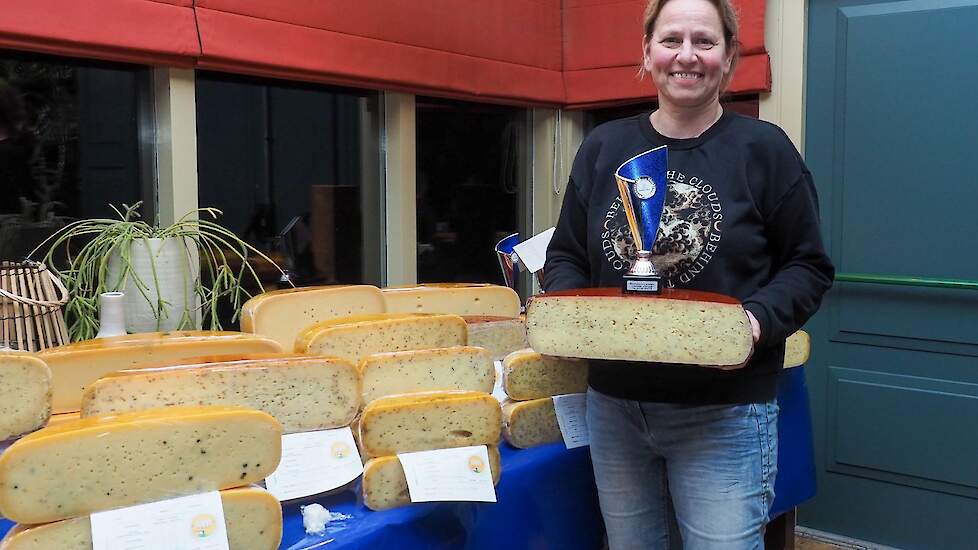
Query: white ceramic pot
x=111 y=314
x=166 y=298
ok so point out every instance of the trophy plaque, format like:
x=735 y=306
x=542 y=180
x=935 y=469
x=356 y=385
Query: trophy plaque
x=642 y=185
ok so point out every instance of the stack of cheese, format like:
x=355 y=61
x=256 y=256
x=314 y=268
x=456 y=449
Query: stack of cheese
x=530 y=380
x=53 y=479
x=25 y=393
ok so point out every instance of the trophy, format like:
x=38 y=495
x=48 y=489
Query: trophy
x=642 y=185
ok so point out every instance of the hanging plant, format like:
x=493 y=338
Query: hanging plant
x=113 y=250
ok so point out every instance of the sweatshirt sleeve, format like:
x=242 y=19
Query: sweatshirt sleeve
x=804 y=271
x=567 y=264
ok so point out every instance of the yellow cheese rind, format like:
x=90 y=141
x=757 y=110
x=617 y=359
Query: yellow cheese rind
x=457 y=298
x=355 y=337
x=25 y=393
x=304 y=393
x=531 y=375
x=659 y=330
x=797 y=349
x=385 y=486
x=100 y=463
x=530 y=423
x=455 y=368
x=253 y=517
x=61 y=418
x=429 y=420
x=282 y=314
x=75 y=366
x=500 y=335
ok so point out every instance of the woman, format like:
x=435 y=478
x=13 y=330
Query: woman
x=741 y=219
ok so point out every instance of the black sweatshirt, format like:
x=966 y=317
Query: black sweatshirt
x=741 y=219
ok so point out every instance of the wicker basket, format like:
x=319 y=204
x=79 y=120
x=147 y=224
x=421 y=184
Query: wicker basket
x=31 y=302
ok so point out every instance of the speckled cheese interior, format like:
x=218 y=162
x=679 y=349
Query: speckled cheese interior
x=500 y=337
x=531 y=375
x=455 y=368
x=357 y=340
x=797 y=349
x=530 y=423
x=460 y=299
x=25 y=394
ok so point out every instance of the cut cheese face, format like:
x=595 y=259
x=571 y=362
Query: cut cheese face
x=797 y=348
x=282 y=314
x=530 y=423
x=457 y=298
x=304 y=393
x=531 y=375
x=25 y=393
x=253 y=517
x=385 y=486
x=354 y=338
x=687 y=327
x=102 y=463
x=75 y=366
x=430 y=420
x=455 y=368
x=500 y=335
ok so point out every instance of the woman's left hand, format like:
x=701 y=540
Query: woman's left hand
x=755 y=327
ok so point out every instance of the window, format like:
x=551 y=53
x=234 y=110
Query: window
x=295 y=168
x=70 y=145
x=472 y=187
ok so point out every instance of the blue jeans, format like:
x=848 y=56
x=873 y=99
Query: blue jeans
x=709 y=468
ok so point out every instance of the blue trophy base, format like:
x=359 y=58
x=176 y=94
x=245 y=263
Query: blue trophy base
x=641 y=284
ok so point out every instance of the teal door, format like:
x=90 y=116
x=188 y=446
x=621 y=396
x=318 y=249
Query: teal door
x=892 y=139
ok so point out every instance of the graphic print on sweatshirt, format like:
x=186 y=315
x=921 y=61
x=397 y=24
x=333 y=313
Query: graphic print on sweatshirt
x=689 y=231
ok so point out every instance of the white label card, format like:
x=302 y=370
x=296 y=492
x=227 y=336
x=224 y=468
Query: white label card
x=571 y=412
x=533 y=251
x=194 y=522
x=461 y=474
x=315 y=462
x=497 y=390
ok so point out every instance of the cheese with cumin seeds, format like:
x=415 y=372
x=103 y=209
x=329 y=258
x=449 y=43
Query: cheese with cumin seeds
x=457 y=298
x=102 y=463
x=797 y=349
x=303 y=392
x=25 y=393
x=429 y=420
x=500 y=335
x=531 y=375
x=455 y=368
x=357 y=336
x=385 y=485
x=679 y=326
x=75 y=366
x=252 y=515
x=282 y=314
x=530 y=423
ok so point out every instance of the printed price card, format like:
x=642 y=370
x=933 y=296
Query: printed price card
x=497 y=390
x=194 y=522
x=461 y=474
x=571 y=412
x=315 y=462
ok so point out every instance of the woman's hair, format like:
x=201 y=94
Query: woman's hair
x=728 y=17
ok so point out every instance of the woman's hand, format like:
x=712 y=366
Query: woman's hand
x=755 y=327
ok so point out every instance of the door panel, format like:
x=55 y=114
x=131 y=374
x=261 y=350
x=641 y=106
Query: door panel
x=891 y=139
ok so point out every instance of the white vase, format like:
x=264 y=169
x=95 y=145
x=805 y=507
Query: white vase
x=176 y=272
x=111 y=314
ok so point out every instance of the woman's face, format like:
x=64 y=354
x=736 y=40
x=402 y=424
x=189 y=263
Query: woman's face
x=686 y=54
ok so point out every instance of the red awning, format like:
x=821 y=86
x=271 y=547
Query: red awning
x=160 y=32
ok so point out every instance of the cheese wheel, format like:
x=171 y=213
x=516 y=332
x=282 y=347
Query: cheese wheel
x=454 y=368
x=500 y=335
x=252 y=515
x=530 y=423
x=688 y=327
x=385 y=486
x=797 y=349
x=25 y=393
x=282 y=314
x=429 y=420
x=303 y=392
x=355 y=337
x=101 y=463
x=457 y=298
x=61 y=418
x=531 y=375
x=75 y=366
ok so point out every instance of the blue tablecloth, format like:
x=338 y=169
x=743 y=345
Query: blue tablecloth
x=546 y=498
